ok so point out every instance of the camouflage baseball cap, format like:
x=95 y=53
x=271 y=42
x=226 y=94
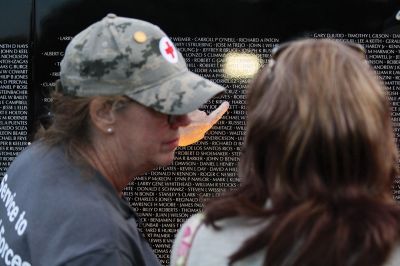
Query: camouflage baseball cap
x=125 y=56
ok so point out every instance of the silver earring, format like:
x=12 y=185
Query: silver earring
x=110 y=130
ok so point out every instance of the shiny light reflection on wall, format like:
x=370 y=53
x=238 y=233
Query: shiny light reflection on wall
x=241 y=65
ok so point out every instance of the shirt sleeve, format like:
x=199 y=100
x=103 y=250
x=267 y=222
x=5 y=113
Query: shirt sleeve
x=102 y=258
x=394 y=258
x=177 y=240
x=177 y=244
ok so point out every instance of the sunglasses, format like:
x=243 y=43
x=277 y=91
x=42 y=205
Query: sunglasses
x=171 y=119
x=277 y=50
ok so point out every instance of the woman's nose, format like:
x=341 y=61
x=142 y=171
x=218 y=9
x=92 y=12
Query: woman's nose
x=176 y=121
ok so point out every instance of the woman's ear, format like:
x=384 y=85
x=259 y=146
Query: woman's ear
x=102 y=114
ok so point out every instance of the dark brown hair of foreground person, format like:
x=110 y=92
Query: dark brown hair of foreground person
x=320 y=149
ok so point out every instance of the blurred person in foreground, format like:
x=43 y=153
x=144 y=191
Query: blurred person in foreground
x=124 y=96
x=317 y=168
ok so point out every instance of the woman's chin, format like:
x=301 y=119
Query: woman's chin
x=166 y=159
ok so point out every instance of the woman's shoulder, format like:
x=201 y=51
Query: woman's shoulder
x=225 y=226
x=214 y=244
x=394 y=258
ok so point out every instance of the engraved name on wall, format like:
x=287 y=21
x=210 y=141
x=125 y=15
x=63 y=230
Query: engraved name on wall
x=13 y=102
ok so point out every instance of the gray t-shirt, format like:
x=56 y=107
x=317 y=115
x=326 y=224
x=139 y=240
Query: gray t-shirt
x=51 y=213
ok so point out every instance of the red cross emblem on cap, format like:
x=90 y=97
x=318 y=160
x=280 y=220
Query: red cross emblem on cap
x=168 y=50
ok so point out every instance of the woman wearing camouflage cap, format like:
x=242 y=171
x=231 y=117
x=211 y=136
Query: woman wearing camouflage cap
x=123 y=97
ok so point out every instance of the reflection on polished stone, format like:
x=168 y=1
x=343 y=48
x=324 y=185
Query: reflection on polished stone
x=241 y=65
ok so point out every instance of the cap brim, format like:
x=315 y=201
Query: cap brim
x=180 y=94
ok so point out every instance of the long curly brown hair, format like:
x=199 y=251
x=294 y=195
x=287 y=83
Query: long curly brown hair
x=320 y=149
